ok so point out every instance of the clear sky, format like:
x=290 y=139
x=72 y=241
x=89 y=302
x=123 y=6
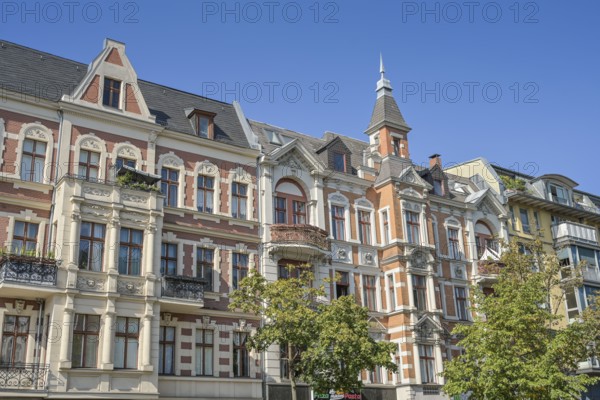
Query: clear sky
x=514 y=81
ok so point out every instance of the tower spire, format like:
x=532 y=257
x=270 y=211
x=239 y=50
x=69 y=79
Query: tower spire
x=384 y=87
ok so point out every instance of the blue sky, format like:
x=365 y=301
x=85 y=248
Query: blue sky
x=514 y=81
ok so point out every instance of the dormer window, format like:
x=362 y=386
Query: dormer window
x=112 y=93
x=559 y=194
x=339 y=162
x=396 y=146
x=203 y=123
x=274 y=138
x=438 y=187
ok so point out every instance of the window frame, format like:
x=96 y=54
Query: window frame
x=341 y=285
x=365 y=227
x=392 y=300
x=207 y=192
x=299 y=215
x=15 y=334
x=96 y=244
x=454 y=248
x=280 y=208
x=85 y=333
x=166 y=258
x=33 y=156
x=109 y=92
x=130 y=247
x=240 y=353
x=344 y=164
x=413 y=226
x=88 y=165
x=419 y=292
x=25 y=239
x=370 y=292
x=163 y=344
x=338 y=222
x=202 y=266
x=524 y=217
x=461 y=303
x=239 y=201
x=127 y=336
x=167 y=184
x=427 y=363
x=238 y=271
x=202 y=346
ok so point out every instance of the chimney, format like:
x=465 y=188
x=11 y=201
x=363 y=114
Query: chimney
x=434 y=160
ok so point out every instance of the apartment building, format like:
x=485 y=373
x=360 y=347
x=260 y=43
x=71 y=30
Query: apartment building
x=128 y=214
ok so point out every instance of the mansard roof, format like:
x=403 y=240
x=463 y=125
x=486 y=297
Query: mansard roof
x=42 y=76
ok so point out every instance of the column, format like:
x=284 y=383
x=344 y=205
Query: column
x=439 y=364
x=113 y=241
x=107 y=335
x=146 y=344
x=65 y=341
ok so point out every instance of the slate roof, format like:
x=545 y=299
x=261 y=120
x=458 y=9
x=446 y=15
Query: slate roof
x=386 y=109
x=48 y=77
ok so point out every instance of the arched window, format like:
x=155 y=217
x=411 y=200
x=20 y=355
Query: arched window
x=34 y=153
x=90 y=157
x=289 y=203
x=484 y=239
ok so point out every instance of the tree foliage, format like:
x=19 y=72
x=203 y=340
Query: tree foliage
x=516 y=347
x=327 y=343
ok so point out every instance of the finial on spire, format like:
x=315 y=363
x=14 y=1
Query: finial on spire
x=383 y=86
x=381 y=67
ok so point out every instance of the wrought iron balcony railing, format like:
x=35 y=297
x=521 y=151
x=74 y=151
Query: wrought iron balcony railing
x=28 y=270
x=183 y=287
x=24 y=377
x=300 y=235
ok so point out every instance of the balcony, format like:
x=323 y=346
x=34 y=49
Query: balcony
x=28 y=270
x=182 y=290
x=24 y=377
x=574 y=232
x=300 y=240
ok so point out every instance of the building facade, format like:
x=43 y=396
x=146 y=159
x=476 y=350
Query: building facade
x=129 y=211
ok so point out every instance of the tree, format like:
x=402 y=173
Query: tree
x=516 y=347
x=327 y=344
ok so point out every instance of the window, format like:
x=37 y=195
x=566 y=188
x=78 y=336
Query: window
x=124 y=161
x=89 y=165
x=427 y=361
x=204 y=352
x=386 y=227
x=169 y=186
x=280 y=210
x=364 y=227
x=559 y=194
x=204 y=124
x=91 y=246
x=419 y=292
x=24 y=237
x=339 y=162
x=396 y=146
x=369 y=292
x=241 y=365
x=587 y=255
x=126 y=343
x=391 y=292
x=205 y=193
x=168 y=259
x=438 y=187
x=454 y=243
x=86 y=334
x=284 y=271
x=339 y=222
x=204 y=266
x=375 y=375
x=536 y=218
x=240 y=268
x=130 y=251
x=112 y=93
x=33 y=160
x=15 y=332
x=342 y=286
x=284 y=365
x=412 y=227
x=525 y=220
x=239 y=197
x=299 y=209
x=460 y=293
x=590 y=293
x=513 y=221
x=166 y=350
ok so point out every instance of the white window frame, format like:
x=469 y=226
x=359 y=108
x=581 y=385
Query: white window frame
x=382 y=227
x=468 y=317
x=240 y=175
x=128 y=151
x=216 y=262
x=172 y=161
x=38 y=132
x=29 y=217
x=363 y=207
x=207 y=168
x=453 y=223
x=420 y=210
x=339 y=200
x=90 y=142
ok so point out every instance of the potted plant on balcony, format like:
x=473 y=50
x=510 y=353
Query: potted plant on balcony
x=513 y=185
x=128 y=180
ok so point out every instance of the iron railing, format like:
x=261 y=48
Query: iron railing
x=29 y=270
x=24 y=377
x=183 y=287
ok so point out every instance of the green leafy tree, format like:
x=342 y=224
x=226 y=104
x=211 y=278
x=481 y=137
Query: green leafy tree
x=517 y=347
x=327 y=344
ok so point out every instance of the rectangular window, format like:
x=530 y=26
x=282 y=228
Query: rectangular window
x=338 y=219
x=342 y=286
x=559 y=194
x=438 y=187
x=524 y=214
x=284 y=366
x=460 y=293
x=205 y=194
x=375 y=375
x=124 y=161
x=284 y=272
x=203 y=126
x=24 y=237
x=364 y=227
x=86 y=336
x=427 y=361
x=15 y=332
x=112 y=93
x=166 y=350
x=386 y=227
x=299 y=209
x=91 y=246
x=130 y=251
x=536 y=218
x=204 y=352
x=89 y=165
x=396 y=146
x=168 y=259
x=339 y=162
x=369 y=292
x=590 y=293
x=391 y=292
x=239 y=197
x=240 y=268
x=241 y=364
x=205 y=266
x=454 y=243
x=413 y=227
x=33 y=160
x=420 y=292
x=280 y=210
x=587 y=255
x=126 y=343
x=169 y=186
